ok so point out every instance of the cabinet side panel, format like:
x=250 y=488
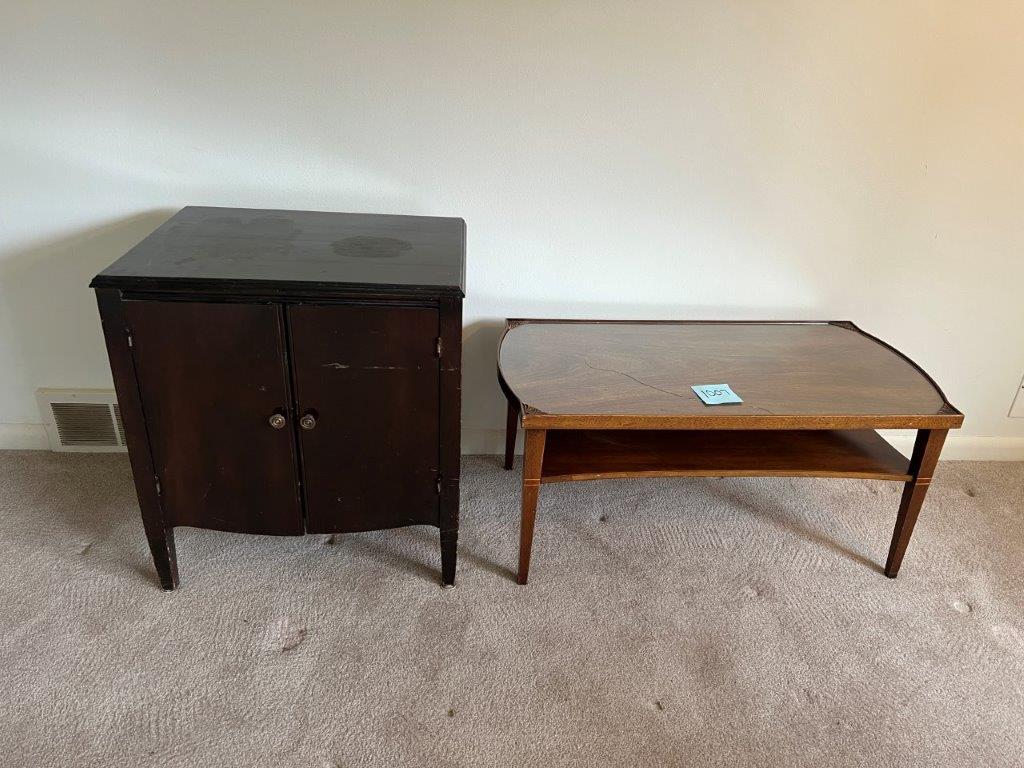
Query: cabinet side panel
x=210 y=377
x=369 y=377
x=451 y=411
x=115 y=334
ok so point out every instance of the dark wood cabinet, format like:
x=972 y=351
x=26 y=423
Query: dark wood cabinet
x=290 y=372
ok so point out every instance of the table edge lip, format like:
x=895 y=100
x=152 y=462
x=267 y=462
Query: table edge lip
x=947 y=417
x=531 y=418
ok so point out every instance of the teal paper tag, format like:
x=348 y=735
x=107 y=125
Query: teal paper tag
x=716 y=394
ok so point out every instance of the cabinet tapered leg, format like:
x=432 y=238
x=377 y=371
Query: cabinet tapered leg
x=449 y=548
x=161 y=545
x=922 y=464
x=159 y=535
x=533 y=460
x=511 y=423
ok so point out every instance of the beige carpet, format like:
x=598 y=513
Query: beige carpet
x=669 y=622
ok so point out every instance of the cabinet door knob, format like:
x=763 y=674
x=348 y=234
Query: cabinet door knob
x=277 y=421
x=308 y=421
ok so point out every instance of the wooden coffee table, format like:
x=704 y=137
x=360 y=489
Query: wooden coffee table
x=607 y=399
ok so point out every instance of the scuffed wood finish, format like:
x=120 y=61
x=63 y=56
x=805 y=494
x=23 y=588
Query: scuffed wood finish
x=605 y=399
x=637 y=375
x=603 y=454
x=369 y=375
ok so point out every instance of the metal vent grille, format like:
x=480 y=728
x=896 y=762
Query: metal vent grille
x=118 y=423
x=82 y=424
x=82 y=419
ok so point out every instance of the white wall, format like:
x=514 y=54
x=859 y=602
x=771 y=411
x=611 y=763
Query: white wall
x=713 y=159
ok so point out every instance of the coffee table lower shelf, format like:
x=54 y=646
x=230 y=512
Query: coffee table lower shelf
x=600 y=454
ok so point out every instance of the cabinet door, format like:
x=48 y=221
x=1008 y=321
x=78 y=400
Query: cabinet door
x=211 y=377
x=368 y=377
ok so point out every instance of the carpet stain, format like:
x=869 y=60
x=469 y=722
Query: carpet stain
x=287 y=636
x=659 y=706
x=294 y=640
x=971 y=492
x=962 y=606
x=451 y=713
x=603 y=518
x=85 y=549
x=331 y=540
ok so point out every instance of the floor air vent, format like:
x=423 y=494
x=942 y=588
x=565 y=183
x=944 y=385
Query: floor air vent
x=82 y=420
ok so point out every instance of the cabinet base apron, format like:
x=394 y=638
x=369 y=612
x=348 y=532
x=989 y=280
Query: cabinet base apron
x=165 y=558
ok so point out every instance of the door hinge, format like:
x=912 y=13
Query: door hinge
x=130 y=342
x=438 y=347
x=158 y=490
x=438 y=485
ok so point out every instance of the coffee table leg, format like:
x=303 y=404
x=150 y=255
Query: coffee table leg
x=533 y=459
x=922 y=464
x=511 y=423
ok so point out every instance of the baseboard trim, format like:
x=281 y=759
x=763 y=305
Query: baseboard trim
x=23 y=437
x=32 y=437
x=965 y=447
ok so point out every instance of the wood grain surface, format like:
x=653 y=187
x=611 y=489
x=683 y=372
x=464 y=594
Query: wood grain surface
x=210 y=377
x=369 y=376
x=637 y=375
x=601 y=454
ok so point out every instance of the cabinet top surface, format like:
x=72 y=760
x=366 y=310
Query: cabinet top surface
x=362 y=251
x=790 y=375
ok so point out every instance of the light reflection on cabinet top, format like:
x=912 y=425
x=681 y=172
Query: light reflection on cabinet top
x=203 y=248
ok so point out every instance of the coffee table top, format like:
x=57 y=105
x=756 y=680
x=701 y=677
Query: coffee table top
x=611 y=374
